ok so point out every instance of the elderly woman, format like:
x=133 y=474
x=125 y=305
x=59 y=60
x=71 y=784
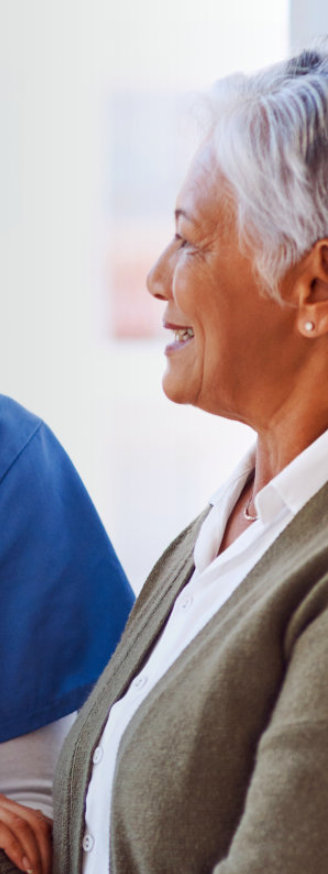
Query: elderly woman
x=204 y=747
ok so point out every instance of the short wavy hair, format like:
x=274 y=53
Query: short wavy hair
x=270 y=132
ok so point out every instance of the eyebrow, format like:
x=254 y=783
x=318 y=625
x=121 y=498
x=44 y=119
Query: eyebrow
x=184 y=214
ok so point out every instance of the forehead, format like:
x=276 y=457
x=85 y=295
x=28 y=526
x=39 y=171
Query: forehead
x=205 y=196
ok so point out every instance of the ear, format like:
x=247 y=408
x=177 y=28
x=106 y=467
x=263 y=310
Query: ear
x=310 y=292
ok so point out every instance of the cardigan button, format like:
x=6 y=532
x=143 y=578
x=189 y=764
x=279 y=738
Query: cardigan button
x=88 y=843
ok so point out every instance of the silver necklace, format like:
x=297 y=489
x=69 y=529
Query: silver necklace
x=247 y=515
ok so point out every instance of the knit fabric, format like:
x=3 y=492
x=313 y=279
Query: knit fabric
x=224 y=767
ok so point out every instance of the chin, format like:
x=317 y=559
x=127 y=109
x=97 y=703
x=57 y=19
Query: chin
x=175 y=391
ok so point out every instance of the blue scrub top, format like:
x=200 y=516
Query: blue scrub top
x=64 y=595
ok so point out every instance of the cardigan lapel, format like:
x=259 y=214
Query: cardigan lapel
x=308 y=529
x=146 y=621
x=304 y=538
x=155 y=602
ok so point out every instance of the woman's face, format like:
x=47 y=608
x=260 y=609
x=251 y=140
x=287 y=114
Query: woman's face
x=226 y=337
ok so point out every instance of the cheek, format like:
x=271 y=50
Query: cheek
x=190 y=287
x=182 y=284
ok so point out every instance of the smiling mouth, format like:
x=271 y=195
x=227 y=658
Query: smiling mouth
x=181 y=336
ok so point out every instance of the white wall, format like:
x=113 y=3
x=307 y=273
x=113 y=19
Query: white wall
x=149 y=465
x=48 y=212
x=307 y=19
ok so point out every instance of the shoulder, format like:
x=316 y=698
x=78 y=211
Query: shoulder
x=29 y=449
x=16 y=419
x=17 y=427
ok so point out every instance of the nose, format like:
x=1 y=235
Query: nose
x=159 y=279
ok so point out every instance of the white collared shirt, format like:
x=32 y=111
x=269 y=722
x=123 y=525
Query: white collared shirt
x=214 y=580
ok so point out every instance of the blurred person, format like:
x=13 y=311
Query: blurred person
x=64 y=602
x=203 y=747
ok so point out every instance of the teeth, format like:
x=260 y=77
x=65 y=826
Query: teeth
x=183 y=334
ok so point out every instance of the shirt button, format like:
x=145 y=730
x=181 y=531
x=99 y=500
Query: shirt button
x=186 y=603
x=140 y=681
x=88 y=843
x=97 y=756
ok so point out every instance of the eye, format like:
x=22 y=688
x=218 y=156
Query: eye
x=181 y=240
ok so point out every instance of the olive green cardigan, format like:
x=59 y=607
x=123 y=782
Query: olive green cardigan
x=224 y=767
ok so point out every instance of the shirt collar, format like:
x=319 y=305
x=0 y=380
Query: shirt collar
x=239 y=476
x=299 y=480
x=291 y=488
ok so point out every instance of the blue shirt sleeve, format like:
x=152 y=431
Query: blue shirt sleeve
x=64 y=595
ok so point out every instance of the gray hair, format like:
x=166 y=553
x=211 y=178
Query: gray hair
x=270 y=132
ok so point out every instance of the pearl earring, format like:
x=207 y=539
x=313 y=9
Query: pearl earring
x=309 y=326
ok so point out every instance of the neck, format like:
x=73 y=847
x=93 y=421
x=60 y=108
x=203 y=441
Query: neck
x=287 y=418
x=277 y=447
x=272 y=455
